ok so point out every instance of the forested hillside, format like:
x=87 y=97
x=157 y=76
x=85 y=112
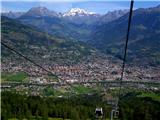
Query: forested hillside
x=144 y=40
x=39 y=45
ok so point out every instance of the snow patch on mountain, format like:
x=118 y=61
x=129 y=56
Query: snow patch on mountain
x=78 y=12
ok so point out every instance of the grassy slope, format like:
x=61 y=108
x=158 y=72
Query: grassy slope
x=79 y=89
x=14 y=77
x=153 y=96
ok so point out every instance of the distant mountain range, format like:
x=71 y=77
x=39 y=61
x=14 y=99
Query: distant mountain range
x=12 y=15
x=106 y=33
x=113 y=15
x=73 y=12
x=75 y=24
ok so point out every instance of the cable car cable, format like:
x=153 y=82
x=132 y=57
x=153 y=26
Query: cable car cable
x=115 y=110
x=33 y=62
x=126 y=47
x=28 y=59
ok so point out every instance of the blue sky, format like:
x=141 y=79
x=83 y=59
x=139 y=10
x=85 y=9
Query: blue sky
x=98 y=6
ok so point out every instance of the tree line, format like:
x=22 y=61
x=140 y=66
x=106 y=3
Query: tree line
x=76 y=107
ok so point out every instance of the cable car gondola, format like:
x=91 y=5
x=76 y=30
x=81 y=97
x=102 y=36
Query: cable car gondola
x=99 y=113
x=116 y=114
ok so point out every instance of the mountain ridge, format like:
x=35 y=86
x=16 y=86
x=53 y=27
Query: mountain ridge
x=34 y=43
x=144 y=37
x=73 y=12
x=108 y=35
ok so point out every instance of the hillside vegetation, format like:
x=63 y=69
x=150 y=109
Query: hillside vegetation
x=40 y=46
x=144 y=39
x=79 y=107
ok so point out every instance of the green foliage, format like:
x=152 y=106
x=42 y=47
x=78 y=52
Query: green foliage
x=37 y=44
x=153 y=96
x=139 y=108
x=82 y=89
x=14 y=77
x=75 y=108
x=50 y=91
x=132 y=107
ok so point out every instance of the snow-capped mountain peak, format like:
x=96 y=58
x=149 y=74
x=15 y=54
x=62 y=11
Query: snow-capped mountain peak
x=77 y=11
